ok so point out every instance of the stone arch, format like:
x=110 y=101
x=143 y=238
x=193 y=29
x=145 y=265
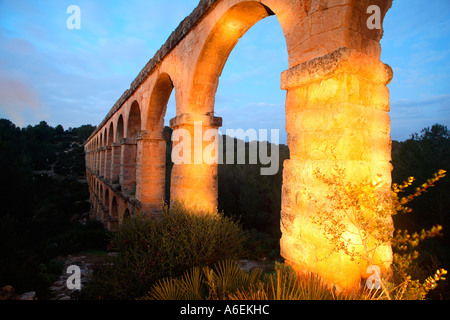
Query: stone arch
x=120 y=134
x=218 y=46
x=111 y=134
x=105 y=137
x=159 y=99
x=334 y=71
x=100 y=202
x=129 y=150
x=334 y=74
x=109 y=151
x=134 y=121
x=101 y=154
x=114 y=214
x=116 y=150
x=106 y=198
x=126 y=214
x=198 y=183
x=96 y=164
x=151 y=162
x=106 y=204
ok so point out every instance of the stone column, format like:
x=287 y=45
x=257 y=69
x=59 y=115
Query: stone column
x=336 y=115
x=151 y=170
x=115 y=163
x=195 y=183
x=128 y=166
x=104 y=216
x=108 y=160
x=102 y=162
x=97 y=162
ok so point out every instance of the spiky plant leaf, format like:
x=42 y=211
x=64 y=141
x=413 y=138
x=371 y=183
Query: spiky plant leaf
x=166 y=289
x=192 y=284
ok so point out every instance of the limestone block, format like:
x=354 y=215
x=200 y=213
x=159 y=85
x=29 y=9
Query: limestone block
x=332 y=18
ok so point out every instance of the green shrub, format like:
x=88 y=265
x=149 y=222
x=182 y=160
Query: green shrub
x=149 y=249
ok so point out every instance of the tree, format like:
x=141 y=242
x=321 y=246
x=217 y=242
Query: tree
x=420 y=156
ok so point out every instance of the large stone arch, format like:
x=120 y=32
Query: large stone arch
x=129 y=150
x=134 y=121
x=114 y=214
x=120 y=129
x=345 y=80
x=126 y=214
x=151 y=158
x=106 y=204
x=337 y=105
x=159 y=98
x=223 y=37
x=101 y=154
x=116 y=150
x=111 y=134
x=108 y=151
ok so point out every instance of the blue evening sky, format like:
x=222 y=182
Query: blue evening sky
x=74 y=77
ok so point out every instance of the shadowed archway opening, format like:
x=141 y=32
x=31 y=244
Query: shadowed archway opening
x=126 y=214
x=119 y=129
x=243 y=192
x=129 y=150
x=161 y=96
x=108 y=152
x=114 y=215
x=117 y=159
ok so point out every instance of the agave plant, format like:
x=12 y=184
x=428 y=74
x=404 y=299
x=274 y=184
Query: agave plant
x=225 y=280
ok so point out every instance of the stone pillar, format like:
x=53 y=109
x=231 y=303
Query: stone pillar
x=195 y=183
x=104 y=216
x=336 y=115
x=107 y=165
x=101 y=162
x=128 y=166
x=151 y=170
x=115 y=163
x=97 y=162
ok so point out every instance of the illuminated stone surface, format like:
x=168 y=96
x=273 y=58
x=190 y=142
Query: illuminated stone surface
x=337 y=106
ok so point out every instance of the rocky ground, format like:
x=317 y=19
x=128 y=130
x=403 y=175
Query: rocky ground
x=59 y=289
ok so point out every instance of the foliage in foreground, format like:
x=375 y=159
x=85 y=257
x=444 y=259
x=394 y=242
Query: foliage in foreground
x=227 y=281
x=149 y=249
x=371 y=208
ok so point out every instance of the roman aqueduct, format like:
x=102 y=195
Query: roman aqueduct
x=337 y=106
